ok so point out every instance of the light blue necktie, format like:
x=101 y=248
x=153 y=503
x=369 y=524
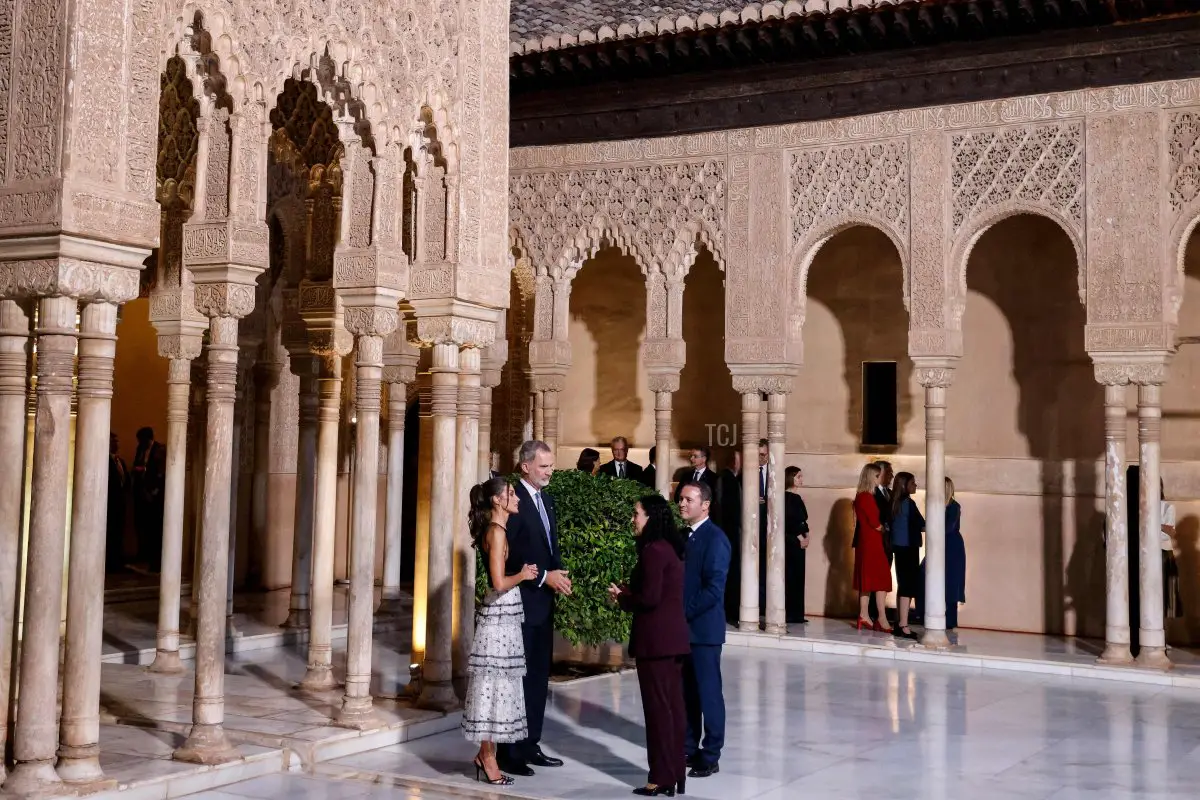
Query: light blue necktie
x=537 y=501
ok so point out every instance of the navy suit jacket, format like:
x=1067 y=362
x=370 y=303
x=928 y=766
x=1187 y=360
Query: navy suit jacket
x=527 y=545
x=705 y=571
x=633 y=472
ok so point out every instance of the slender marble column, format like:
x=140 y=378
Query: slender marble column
x=357 y=710
x=207 y=743
x=550 y=419
x=539 y=416
x=14 y=363
x=1152 y=639
x=749 y=611
x=466 y=473
x=393 y=528
x=935 y=381
x=421 y=595
x=437 y=689
x=246 y=359
x=266 y=378
x=179 y=376
x=319 y=676
x=198 y=416
x=79 y=752
x=35 y=733
x=306 y=476
x=776 y=588
x=1116 y=532
x=662 y=443
x=484 y=470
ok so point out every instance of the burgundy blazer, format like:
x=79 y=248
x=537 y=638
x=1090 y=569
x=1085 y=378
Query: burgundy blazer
x=655 y=597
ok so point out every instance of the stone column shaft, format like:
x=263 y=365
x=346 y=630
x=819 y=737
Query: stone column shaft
x=320 y=642
x=357 y=710
x=79 y=752
x=437 y=690
x=749 y=611
x=306 y=476
x=14 y=365
x=35 y=736
x=484 y=470
x=266 y=378
x=1116 y=530
x=776 y=613
x=393 y=527
x=466 y=475
x=935 y=517
x=539 y=416
x=179 y=376
x=1152 y=639
x=207 y=743
x=550 y=420
x=662 y=443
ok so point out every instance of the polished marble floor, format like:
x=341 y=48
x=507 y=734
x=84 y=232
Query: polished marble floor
x=807 y=725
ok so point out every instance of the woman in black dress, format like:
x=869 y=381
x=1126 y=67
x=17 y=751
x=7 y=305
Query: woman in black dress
x=795 y=529
x=907 y=526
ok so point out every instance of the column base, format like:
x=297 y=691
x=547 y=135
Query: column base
x=318 y=678
x=80 y=766
x=207 y=744
x=231 y=631
x=298 y=618
x=438 y=696
x=748 y=627
x=357 y=713
x=33 y=779
x=166 y=662
x=1153 y=658
x=1116 y=655
x=777 y=628
x=392 y=607
x=932 y=639
x=412 y=689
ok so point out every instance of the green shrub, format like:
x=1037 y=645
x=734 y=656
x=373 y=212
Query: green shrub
x=595 y=535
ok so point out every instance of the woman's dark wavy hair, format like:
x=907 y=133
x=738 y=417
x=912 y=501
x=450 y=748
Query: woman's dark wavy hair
x=660 y=524
x=480 y=515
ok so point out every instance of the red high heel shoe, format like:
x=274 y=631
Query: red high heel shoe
x=862 y=623
x=878 y=626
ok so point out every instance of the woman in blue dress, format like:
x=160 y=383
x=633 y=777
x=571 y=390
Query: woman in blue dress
x=956 y=558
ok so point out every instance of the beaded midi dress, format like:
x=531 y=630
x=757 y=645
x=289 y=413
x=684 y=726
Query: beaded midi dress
x=495 y=705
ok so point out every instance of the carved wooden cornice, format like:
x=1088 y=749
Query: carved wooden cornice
x=843 y=64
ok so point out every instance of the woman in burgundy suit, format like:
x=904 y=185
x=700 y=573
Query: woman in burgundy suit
x=659 y=641
x=871 y=570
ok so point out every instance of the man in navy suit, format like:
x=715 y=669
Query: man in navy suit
x=705 y=570
x=533 y=539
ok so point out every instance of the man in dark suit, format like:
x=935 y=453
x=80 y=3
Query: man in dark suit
x=706 y=567
x=763 y=458
x=533 y=539
x=699 y=472
x=883 y=499
x=649 y=474
x=621 y=466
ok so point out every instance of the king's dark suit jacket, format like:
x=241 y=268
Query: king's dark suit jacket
x=705 y=571
x=527 y=545
x=655 y=598
x=633 y=472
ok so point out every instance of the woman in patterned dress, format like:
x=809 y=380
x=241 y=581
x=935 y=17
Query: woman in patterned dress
x=495 y=705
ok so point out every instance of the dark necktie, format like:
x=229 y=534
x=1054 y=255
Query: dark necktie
x=620 y=469
x=762 y=481
x=696 y=477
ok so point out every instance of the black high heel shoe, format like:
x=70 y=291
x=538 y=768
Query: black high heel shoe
x=657 y=791
x=503 y=780
x=679 y=786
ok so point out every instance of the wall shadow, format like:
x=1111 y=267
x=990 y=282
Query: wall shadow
x=706 y=396
x=840 y=598
x=857 y=276
x=609 y=297
x=1027 y=266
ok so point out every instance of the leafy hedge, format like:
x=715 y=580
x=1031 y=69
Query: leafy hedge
x=595 y=535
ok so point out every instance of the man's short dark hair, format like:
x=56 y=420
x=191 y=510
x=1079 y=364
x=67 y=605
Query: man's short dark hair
x=145 y=434
x=705 y=450
x=620 y=439
x=653 y=452
x=702 y=487
x=763 y=443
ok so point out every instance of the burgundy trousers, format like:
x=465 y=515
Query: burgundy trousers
x=661 y=682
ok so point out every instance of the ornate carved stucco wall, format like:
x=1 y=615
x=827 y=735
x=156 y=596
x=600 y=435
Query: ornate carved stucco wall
x=1116 y=168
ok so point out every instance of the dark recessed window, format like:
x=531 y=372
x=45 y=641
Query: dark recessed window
x=879 y=423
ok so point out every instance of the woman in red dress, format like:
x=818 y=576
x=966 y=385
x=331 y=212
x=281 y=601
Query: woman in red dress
x=871 y=570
